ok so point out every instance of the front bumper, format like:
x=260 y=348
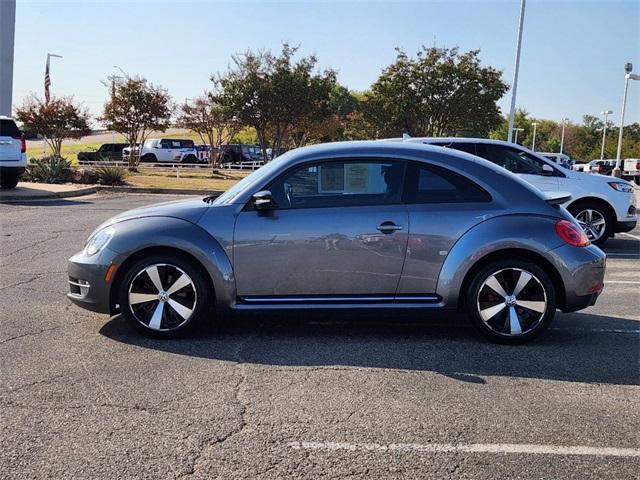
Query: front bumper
x=87 y=284
x=627 y=226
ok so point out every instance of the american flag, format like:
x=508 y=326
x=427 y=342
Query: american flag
x=47 y=83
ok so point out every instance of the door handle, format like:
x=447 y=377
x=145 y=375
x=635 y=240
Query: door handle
x=389 y=227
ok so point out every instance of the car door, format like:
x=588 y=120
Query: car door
x=528 y=167
x=442 y=206
x=337 y=228
x=165 y=151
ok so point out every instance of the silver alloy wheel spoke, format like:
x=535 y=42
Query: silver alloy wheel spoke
x=493 y=283
x=523 y=280
x=179 y=284
x=180 y=309
x=488 y=313
x=535 y=306
x=514 y=322
x=135 y=298
x=592 y=222
x=152 y=271
x=156 y=319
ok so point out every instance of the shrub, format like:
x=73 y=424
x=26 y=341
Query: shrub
x=51 y=169
x=111 y=174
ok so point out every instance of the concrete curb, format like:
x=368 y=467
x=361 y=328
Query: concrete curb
x=49 y=195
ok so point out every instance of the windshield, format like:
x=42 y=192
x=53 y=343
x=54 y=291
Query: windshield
x=256 y=177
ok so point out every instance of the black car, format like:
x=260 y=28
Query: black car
x=107 y=151
x=240 y=152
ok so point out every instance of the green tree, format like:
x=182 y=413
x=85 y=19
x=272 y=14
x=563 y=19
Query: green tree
x=439 y=92
x=137 y=108
x=273 y=93
x=210 y=120
x=59 y=119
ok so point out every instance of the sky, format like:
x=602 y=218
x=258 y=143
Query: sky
x=572 y=61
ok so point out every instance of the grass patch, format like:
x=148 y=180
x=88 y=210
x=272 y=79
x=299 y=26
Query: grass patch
x=201 y=180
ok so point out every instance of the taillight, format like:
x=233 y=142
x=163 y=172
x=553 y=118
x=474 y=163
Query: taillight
x=637 y=165
x=23 y=146
x=571 y=234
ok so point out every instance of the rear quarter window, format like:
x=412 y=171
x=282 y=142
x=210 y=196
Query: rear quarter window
x=433 y=184
x=8 y=128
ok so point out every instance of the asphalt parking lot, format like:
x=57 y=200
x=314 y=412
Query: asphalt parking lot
x=84 y=396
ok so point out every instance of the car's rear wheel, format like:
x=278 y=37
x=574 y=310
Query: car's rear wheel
x=164 y=295
x=9 y=180
x=149 y=158
x=595 y=220
x=190 y=159
x=511 y=301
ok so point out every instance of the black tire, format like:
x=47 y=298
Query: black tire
x=9 y=180
x=580 y=210
x=637 y=179
x=190 y=159
x=500 y=327
x=195 y=297
x=149 y=158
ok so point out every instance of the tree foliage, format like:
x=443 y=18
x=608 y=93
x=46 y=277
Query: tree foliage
x=439 y=92
x=59 y=119
x=137 y=108
x=210 y=120
x=274 y=93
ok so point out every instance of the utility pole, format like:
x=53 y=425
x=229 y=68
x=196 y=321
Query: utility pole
x=514 y=88
x=533 y=143
x=606 y=114
x=564 y=121
x=7 y=38
x=628 y=68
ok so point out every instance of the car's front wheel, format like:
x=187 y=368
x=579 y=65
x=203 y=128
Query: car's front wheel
x=511 y=301
x=164 y=295
x=595 y=220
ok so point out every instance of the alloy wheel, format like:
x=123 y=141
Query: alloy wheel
x=162 y=297
x=512 y=302
x=592 y=222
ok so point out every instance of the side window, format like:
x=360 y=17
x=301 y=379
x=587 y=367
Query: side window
x=165 y=144
x=340 y=183
x=432 y=184
x=464 y=147
x=514 y=160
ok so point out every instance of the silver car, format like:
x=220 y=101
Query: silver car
x=357 y=225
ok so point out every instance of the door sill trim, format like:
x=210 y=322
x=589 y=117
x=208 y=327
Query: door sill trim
x=337 y=299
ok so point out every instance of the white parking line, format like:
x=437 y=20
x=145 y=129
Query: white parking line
x=627 y=255
x=599 y=330
x=625 y=282
x=629 y=235
x=470 y=448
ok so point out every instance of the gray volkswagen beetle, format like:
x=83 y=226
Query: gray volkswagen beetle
x=354 y=225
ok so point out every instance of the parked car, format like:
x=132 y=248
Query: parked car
x=13 y=153
x=559 y=158
x=107 y=151
x=579 y=166
x=355 y=225
x=204 y=152
x=169 y=150
x=603 y=206
x=240 y=152
x=631 y=169
x=603 y=167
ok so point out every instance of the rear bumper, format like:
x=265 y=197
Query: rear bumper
x=17 y=170
x=582 y=271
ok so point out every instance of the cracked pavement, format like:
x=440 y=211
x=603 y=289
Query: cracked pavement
x=84 y=396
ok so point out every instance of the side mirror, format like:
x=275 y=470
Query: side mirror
x=547 y=170
x=262 y=200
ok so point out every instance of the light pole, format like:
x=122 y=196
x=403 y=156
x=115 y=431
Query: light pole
x=606 y=114
x=533 y=143
x=564 y=121
x=7 y=40
x=512 y=112
x=516 y=135
x=629 y=76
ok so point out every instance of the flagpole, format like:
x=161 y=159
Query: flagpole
x=47 y=76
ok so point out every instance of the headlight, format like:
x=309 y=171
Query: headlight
x=621 y=187
x=98 y=241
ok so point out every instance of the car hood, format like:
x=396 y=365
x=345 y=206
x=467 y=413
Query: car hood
x=190 y=210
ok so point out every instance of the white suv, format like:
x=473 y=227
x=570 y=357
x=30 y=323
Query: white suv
x=13 y=156
x=602 y=205
x=166 y=150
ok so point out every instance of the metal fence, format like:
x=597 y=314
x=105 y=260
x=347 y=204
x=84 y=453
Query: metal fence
x=174 y=166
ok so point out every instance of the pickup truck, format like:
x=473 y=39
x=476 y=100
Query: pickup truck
x=107 y=151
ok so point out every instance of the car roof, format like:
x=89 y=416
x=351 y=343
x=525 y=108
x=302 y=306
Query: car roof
x=456 y=140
